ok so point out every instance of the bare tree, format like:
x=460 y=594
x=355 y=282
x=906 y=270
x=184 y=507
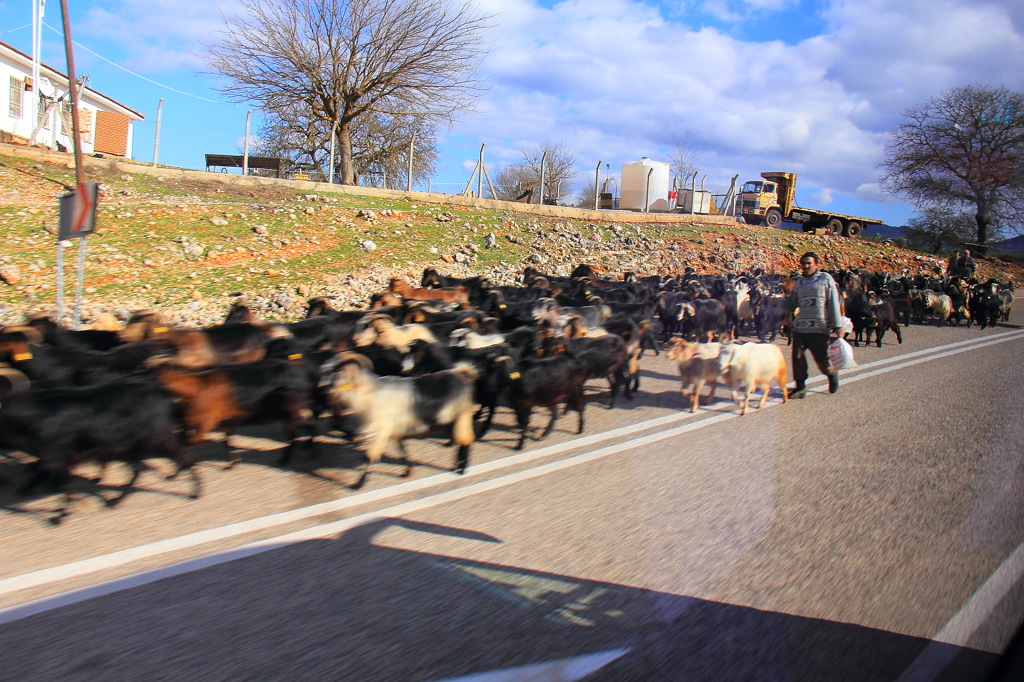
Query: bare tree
x=963 y=149
x=585 y=197
x=940 y=226
x=684 y=159
x=380 y=146
x=514 y=179
x=559 y=172
x=341 y=60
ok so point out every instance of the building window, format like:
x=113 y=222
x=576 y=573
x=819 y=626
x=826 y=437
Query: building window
x=17 y=88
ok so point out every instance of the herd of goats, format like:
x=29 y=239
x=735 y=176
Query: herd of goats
x=437 y=359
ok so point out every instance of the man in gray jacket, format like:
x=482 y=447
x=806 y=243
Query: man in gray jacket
x=815 y=305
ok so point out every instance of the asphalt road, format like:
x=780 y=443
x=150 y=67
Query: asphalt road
x=874 y=534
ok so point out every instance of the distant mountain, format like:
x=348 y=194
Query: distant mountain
x=885 y=231
x=1015 y=245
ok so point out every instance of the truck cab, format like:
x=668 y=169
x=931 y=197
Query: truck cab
x=769 y=200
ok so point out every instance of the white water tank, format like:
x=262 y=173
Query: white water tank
x=636 y=193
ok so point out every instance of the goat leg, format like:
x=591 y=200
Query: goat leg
x=127 y=488
x=551 y=424
x=523 y=417
x=405 y=458
x=462 y=459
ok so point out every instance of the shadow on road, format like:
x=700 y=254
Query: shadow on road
x=374 y=604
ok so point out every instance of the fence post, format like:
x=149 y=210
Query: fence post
x=156 y=142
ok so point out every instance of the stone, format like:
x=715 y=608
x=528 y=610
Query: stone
x=368 y=246
x=218 y=221
x=10 y=274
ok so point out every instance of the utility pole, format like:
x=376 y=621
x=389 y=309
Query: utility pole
x=38 y=10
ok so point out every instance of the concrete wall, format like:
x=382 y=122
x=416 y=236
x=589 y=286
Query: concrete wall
x=603 y=216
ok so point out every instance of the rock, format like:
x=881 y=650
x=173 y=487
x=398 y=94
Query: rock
x=218 y=221
x=302 y=290
x=10 y=274
x=368 y=246
x=261 y=229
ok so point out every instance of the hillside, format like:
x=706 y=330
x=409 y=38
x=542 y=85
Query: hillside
x=191 y=248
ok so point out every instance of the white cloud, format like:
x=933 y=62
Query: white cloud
x=616 y=79
x=157 y=36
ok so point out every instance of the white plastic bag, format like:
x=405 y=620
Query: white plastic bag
x=846 y=325
x=841 y=354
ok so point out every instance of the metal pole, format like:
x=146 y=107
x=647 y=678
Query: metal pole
x=543 y=173
x=429 y=190
x=60 y=281
x=81 y=280
x=480 y=180
x=156 y=143
x=647 y=192
x=38 y=10
x=412 y=146
x=597 y=183
x=693 y=191
x=245 y=145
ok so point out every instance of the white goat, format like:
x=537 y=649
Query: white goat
x=394 y=408
x=748 y=366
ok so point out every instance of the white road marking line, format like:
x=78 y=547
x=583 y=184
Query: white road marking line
x=114 y=559
x=962 y=626
x=562 y=670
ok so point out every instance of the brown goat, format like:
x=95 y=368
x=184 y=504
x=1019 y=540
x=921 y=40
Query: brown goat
x=401 y=286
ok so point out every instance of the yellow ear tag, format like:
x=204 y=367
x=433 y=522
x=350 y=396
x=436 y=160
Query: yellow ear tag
x=295 y=356
x=159 y=330
x=344 y=387
x=18 y=357
x=502 y=306
x=513 y=375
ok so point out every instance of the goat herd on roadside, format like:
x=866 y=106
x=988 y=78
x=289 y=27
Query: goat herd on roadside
x=433 y=360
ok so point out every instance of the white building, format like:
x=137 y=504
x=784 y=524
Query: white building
x=106 y=125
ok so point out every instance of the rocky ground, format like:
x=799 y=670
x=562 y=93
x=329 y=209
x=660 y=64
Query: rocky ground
x=191 y=249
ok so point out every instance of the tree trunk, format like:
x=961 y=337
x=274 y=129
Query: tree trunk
x=981 y=218
x=346 y=171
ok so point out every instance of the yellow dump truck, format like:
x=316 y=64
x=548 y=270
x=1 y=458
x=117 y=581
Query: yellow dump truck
x=771 y=200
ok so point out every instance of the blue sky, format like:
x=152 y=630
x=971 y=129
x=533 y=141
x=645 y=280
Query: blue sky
x=810 y=87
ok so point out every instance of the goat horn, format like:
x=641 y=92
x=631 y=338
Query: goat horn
x=349 y=356
x=18 y=382
x=35 y=336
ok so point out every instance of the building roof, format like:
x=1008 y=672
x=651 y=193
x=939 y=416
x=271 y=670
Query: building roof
x=26 y=61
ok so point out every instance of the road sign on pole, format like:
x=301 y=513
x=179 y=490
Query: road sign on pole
x=78 y=211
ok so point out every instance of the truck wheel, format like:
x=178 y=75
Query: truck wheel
x=834 y=226
x=853 y=229
x=772 y=217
